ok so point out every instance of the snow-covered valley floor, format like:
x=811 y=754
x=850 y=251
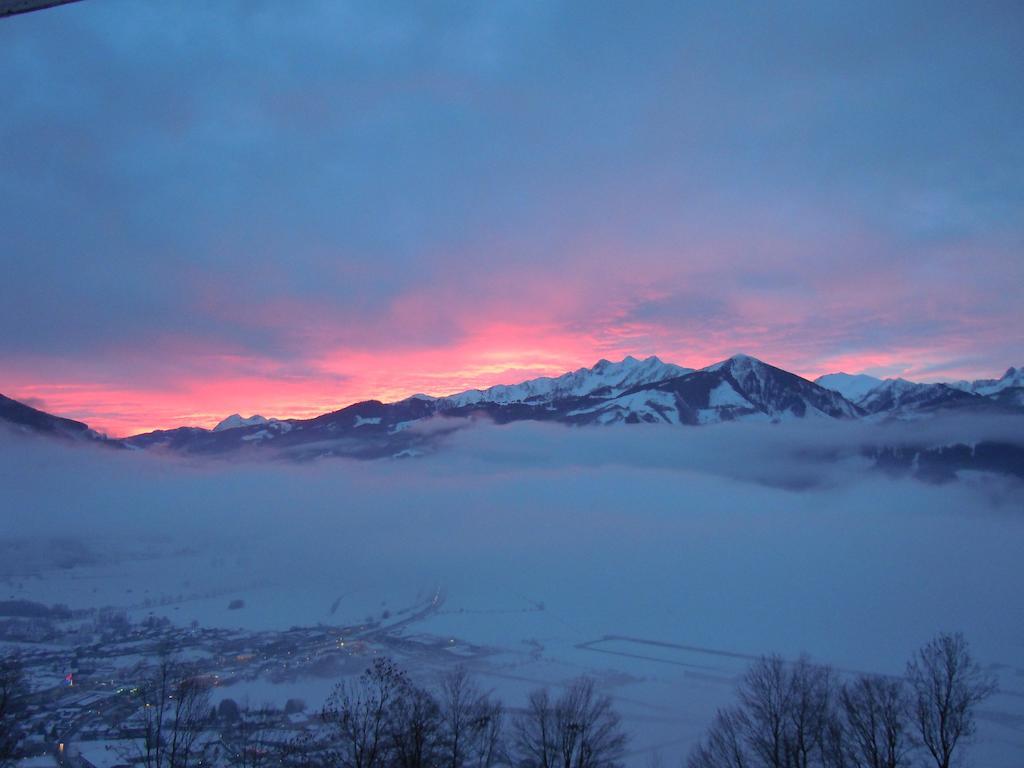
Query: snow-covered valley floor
x=532 y=567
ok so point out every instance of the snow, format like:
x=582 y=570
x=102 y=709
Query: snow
x=657 y=560
x=899 y=398
x=756 y=572
x=105 y=753
x=856 y=387
x=894 y=388
x=236 y=420
x=655 y=404
x=736 y=361
x=749 y=372
x=259 y=434
x=361 y=420
x=725 y=395
x=1014 y=377
x=851 y=386
x=615 y=377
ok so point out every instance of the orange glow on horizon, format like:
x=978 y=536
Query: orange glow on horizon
x=493 y=354
x=496 y=355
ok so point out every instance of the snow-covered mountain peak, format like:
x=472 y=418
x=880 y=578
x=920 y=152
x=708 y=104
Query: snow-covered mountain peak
x=891 y=388
x=737 y=361
x=748 y=371
x=628 y=372
x=604 y=366
x=852 y=386
x=605 y=378
x=899 y=398
x=776 y=393
x=899 y=383
x=739 y=357
x=628 y=391
x=1014 y=377
x=235 y=420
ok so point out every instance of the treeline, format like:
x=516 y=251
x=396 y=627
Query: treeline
x=787 y=715
x=801 y=716
x=29 y=609
x=384 y=720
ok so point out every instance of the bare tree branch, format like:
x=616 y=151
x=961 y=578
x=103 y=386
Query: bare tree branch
x=947 y=685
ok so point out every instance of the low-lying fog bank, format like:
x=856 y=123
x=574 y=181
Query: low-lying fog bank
x=587 y=544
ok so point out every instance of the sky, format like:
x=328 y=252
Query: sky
x=279 y=208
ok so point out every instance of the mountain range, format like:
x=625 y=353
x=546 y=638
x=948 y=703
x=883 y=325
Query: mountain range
x=741 y=388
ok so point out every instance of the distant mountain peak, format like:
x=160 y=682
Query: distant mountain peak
x=631 y=390
x=29 y=419
x=605 y=377
x=852 y=386
x=737 y=360
x=235 y=420
x=1013 y=378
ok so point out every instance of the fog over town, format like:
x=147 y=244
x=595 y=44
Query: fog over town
x=657 y=561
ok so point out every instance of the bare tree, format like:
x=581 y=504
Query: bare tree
x=783 y=720
x=792 y=715
x=579 y=730
x=175 y=709
x=836 y=749
x=947 y=684
x=457 y=700
x=471 y=723
x=414 y=725
x=533 y=732
x=876 y=730
x=12 y=690
x=487 y=733
x=359 y=711
x=809 y=713
x=725 y=745
x=590 y=731
x=765 y=698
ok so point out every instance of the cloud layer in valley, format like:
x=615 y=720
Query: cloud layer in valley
x=744 y=538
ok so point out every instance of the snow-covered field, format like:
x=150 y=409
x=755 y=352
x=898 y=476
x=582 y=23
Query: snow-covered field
x=659 y=560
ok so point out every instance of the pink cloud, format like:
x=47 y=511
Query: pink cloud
x=483 y=325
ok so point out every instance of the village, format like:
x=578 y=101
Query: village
x=89 y=676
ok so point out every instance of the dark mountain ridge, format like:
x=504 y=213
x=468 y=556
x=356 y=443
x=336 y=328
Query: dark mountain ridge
x=741 y=388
